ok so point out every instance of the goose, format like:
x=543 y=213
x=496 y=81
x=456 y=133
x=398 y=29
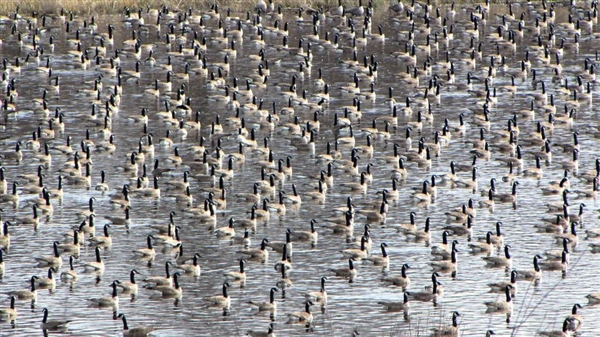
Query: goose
x=71 y=274
x=451 y=330
x=575 y=318
x=55 y=325
x=95 y=266
x=572 y=236
x=261 y=254
x=383 y=260
x=237 y=276
x=120 y=221
x=107 y=302
x=220 y=301
x=429 y=295
x=423 y=197
x=304 y=317
x=139 y=331
x=270 y=306
x=531 y=275
x=556 y=254
x=395 y=306
x=30 y=294
x=311 y=236
x=356 y=254
x=170 y=291
x=5 y=235
x=463 y=229
x=400 y=281
x=593 y=298
x=446 y=266
x=482 y=247
x=193 y=268
x=227 y=231
x=154 y=281
x=564 y=332
x=508 y=197
x=102 y=241
x=75 y=247
x=349 y=273
x=269 y=333
x=499 y=261
x=503 y=285
x=502 y=306
x=129 y=287
x=557 y=265
x=9 y=314
x=50 y=261
x=147 y=253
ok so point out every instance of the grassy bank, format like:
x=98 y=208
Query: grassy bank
x=116 y=6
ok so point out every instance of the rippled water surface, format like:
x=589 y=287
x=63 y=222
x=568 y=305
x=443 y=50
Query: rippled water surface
x=537 y=306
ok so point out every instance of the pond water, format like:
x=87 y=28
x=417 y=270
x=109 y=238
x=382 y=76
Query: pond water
x=351 y=306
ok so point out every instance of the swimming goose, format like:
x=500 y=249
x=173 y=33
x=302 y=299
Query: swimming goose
x=356 y=254
x=147 y=253
x=270 y=306
x=383 y=260
x=169 y=291
x=120 y=221
x=30 y=294
x=95 y=266
x=482 y=247
x=269 y=333
x=349 y=273
x=564 y=332
x=139 y=331
x=5 y=235
x=227 y=231
x=107 y=302
x=102 y=241
x=191 y=269
x=129 y=287
x=304 y=317
x=9 y=314
x=400 y=281
x=393 y=306
x=50 y=261
x=446 y=266
x=220 y=301
x=499 y=261
x=531 y=275
x=502 y=306
x=261 y=254
x=557 y=265
x=55 y=325
x=160 y=280
x=572 y=236
x=576 y=320
x=311 y=236
x=498 y=287
x=451 y=330
x=237 y=276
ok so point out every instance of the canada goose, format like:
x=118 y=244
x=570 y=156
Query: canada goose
x=55 y=325
x=153 y=281
x=349 y=273
x=169 y=291
x=9 y=314
x=446 y=266
x=270 y=306
x=50 y=261
x=400 y=281
x=95 y=266
x=311 y=236
x=129 y=287
x=423 y=197
x=139 y=331
x=71 y=274
x=220 y=301
x=269 y=333
x=451 y=330
x=500 y=261
x=261 y=254
x=107 y=302
x=12 y=197
x=191 y=269
x=227 y=231
x=237 y=276
x=304 y=317
x=30 y=294
x=5 y=235
x=356 y=254
x=502 y=306
x=557 y=265
x=564 y=332
x=395 y=306
x=572 y=236
x=482 y=247
x=383 y=260
x=147 y=253
x=576 y=320
x=531 y=275
x=102 y=241
x=498 y=287
x=118 y=220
